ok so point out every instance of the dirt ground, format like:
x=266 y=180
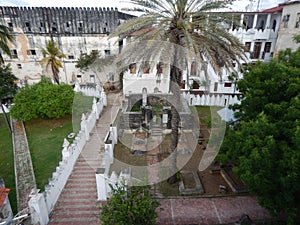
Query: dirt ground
x=210 y=181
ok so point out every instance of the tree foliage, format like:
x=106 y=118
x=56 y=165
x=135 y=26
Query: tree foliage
x=8 y=86
x=5 y=37
x=86 y=60
x=43 y=100
x=265 y=145
x=130 y=205
x=52 y=58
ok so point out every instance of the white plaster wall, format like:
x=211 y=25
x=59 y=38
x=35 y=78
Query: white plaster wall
x=285 y=35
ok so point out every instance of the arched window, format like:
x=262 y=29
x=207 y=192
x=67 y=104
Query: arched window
x=274 y=25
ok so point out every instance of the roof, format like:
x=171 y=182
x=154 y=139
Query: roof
x=274 y=9
x=3 y=195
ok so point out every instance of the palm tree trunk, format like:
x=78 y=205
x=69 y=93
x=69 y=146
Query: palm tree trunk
x=55 y=74
x=175 y=75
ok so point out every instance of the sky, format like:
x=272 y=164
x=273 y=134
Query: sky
x=239 y=5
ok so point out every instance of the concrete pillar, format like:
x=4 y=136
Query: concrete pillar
x=101 y=184
x=268 y=22
x=38 y=209
x=254 y=21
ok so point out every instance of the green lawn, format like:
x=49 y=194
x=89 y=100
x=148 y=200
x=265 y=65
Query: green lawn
x=208 y=115
x=45 y=139
x=7 y=162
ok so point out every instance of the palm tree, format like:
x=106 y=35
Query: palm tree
x=193 y=24
x=52 y=57
x=5 y=37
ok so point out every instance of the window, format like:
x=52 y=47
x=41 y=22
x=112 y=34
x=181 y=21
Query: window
x=27 y=26
x=274 y=25
x=71 y=57
x=285 y=20
x=19 y=66
x=267 y=47
x=54 y=28
x=257 y=48
x=80 y=26
x=79 y=78
x=10 y=25
x=146 y=67
x=42 y=27
x=132 y=68
x=68 y=26
x=297 y=21
x=159 y=67
x=216 y=86
x=193 y=68
x=92 y=78
x=107 y=52
x=227 y=84
x=31 y=52
x=247 y=46
x=14 y=53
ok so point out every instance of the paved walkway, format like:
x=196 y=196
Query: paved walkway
x=219 y=210
x=24 y=174
x=77 y=203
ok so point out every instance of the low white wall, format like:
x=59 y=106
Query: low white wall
x=103 y=179
x=211 y=99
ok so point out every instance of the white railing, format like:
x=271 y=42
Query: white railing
x=211 y=99
x=103 y=178
x=41 y=203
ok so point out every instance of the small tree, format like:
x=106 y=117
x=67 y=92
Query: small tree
x=130 y=205
x=52 y=57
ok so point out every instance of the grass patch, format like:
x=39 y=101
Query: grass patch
x=208 y=115
x=45 y=139
x=7 y=171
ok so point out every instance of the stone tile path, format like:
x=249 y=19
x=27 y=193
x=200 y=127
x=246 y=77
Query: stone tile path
x=200 y=211
x=24 y=174
x=78 y=203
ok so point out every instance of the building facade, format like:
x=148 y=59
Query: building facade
x=74 y=30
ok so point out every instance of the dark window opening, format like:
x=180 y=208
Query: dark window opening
x=71 y=57
x=27 y=25
x=267 y=47
x=274 y=25
x=10 y=24
x=257 y=48
x=286 y=19
x=14 y=53
x=247 y=46
x=19 y=66
x=227 y=84
x=107 y=52
x=216 y=86
x=159 y=67
x=132 y=68
x=31 y=52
